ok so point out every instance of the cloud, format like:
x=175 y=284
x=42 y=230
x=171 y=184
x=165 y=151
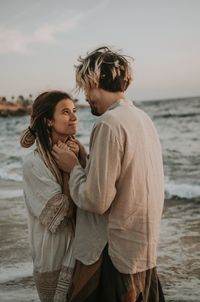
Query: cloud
x=15 y=41
x=12 y=41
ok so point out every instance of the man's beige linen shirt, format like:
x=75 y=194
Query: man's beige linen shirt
x=123 y=185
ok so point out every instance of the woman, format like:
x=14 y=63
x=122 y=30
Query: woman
x=50 y=208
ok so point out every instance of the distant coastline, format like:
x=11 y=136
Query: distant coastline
x=21 y=107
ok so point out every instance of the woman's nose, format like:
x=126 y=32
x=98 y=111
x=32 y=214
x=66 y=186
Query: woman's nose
x=73 y=116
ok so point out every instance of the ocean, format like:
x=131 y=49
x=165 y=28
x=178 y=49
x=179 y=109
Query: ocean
x=178 y=125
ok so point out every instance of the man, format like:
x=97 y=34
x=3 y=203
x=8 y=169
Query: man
x=122 y=184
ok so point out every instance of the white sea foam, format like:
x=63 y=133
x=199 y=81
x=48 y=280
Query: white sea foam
x=188 y=191
x=181 y=190
x=6 y=175
x=20 y=270
x=10 y=193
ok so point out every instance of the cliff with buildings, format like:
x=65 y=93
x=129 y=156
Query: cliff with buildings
x=21 y=106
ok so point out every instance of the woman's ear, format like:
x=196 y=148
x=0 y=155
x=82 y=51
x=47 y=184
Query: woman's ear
x=49 y=123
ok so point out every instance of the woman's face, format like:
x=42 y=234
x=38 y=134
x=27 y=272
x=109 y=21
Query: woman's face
x=64 y=120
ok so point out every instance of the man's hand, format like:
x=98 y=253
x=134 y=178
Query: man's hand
x=65 y=159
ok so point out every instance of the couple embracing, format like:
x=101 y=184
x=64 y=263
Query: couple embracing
x=94 y=219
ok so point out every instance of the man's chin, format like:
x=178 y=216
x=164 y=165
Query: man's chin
x=95 y=112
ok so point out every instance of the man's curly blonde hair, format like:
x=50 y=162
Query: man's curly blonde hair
x=104 y=68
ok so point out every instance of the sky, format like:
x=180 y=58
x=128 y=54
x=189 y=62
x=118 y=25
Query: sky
x=41 y=40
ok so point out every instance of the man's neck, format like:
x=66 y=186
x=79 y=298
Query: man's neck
x=112 y=97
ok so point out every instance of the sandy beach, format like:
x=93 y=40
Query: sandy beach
x=178 y=252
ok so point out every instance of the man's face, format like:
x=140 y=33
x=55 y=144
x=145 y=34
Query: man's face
x=93 y=97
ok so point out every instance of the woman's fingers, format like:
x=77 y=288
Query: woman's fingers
x=62 y=145
x=71 y=145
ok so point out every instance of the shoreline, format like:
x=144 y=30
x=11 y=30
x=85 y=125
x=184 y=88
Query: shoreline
x=178 y=256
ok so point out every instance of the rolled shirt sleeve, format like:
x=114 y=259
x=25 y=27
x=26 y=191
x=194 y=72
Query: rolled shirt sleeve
x=94 y=188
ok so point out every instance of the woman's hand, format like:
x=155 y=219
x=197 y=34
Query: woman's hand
x=82 y=155
x=65 y=158
x=69 y=145
x=73 y=146
x=76 y=147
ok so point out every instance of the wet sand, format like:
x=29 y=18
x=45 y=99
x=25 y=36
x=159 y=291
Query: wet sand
x=16 y=282
x=178 y=252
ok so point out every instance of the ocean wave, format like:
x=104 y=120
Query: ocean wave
x=168 y=115
x=172 y=190
x=19 y=270
x=186 y=191
x=10 y=176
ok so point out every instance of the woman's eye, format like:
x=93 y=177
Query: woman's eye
x=69 y=112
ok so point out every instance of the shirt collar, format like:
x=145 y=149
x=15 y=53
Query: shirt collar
x=118 y=103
